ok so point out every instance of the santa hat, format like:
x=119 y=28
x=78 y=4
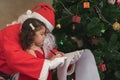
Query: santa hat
x=42 y=12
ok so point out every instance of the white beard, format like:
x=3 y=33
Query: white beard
x=49 y=44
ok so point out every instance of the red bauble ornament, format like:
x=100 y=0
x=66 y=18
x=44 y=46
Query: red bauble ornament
x=102 y=66
x=76 y=19
x=118 y=2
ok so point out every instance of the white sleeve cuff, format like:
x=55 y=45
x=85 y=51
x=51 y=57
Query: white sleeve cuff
x=45 y=70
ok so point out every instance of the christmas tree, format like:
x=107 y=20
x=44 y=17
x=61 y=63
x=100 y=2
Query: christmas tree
x=94 y=25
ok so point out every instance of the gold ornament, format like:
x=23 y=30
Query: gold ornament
x=116 y=26
x=94 y=41
x=74 y=38
x=78 y=41
x=58 y=26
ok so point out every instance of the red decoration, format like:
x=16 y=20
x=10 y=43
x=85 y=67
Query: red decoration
x=102 y=66
x=86 y=4
x=118 y=2
x=76 y=19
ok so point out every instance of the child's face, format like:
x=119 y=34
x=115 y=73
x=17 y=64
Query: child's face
x=40 y=36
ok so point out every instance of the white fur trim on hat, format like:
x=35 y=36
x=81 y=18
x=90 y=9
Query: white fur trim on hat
x=29 y=14
x=45 y=21
x=25 y=16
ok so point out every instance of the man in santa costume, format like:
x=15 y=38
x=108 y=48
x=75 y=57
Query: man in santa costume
x=13 y=60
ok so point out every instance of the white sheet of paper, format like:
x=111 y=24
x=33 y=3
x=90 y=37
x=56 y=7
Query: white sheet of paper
x=85 y=69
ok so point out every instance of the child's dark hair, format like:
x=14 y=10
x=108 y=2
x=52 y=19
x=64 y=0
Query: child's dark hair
x=28 y=29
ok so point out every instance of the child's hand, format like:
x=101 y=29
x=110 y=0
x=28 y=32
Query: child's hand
x=58 y=54
x=55 y=56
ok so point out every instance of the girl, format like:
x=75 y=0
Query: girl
x=32 y=36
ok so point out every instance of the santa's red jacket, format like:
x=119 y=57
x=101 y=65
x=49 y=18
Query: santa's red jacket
x=13 y=59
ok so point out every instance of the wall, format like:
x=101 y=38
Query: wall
x=10 y=10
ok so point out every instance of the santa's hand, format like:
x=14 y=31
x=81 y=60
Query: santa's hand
x=76 y=57
x=57 y=62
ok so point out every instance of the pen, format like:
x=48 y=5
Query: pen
x=52 y=52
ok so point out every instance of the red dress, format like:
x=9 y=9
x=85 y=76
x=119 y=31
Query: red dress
x=24 y=77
